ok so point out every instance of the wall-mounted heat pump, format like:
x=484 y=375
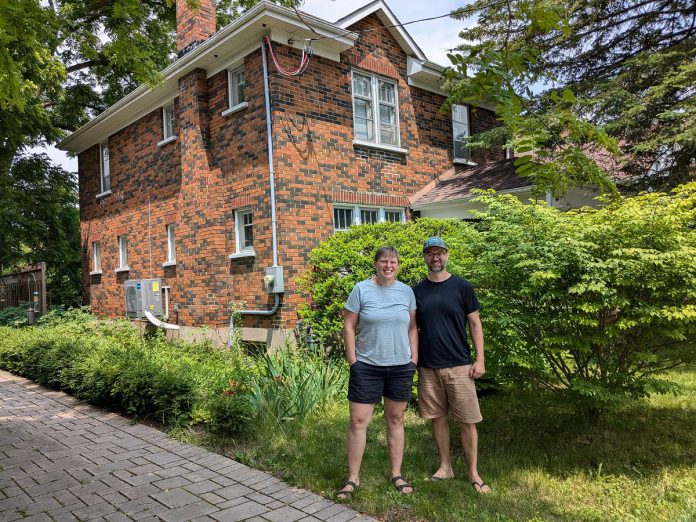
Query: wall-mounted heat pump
x=141 y=295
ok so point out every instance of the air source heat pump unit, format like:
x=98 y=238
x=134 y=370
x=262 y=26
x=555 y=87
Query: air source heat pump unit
x=141 y=295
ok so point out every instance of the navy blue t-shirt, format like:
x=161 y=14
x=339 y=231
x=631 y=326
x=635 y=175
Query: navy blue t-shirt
x=441 y=310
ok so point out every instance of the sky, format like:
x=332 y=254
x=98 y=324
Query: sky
x=434 y=37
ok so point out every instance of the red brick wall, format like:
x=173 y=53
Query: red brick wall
x=218 y=165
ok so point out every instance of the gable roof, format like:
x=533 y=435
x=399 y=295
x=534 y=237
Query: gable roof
x=457 y=184
x=392 y=23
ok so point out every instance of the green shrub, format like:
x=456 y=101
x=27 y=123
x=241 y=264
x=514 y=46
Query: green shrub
x=346 y=258
x=113 y=365
x=14 y=315
x=592 y=303
x=292 y=382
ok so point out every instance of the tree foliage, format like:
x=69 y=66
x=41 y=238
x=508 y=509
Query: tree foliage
x=590 y=75
x=40 y=221
x=593 y=303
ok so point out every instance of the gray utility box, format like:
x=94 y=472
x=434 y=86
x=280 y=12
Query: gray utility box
x=141 y=295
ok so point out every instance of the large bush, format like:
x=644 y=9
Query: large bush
x=594 y=303
x=346 y=258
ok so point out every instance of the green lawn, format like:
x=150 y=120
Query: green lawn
x=638 y=463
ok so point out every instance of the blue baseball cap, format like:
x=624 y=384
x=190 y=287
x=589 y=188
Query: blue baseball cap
x=434 y=241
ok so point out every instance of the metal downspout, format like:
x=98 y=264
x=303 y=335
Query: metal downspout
x=271 y=171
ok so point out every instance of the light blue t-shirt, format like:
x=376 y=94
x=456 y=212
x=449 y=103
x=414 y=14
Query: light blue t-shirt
x=383 y=320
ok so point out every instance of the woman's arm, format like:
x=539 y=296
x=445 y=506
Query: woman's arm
x=350 y=323
x=413 y=336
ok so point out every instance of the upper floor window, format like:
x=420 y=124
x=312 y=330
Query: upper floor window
x=168 y=122
x=245 y=232
x=236 y=83
x=171 y=245
x=460 y=130
x=375 y=109
x=104 y=168
x=345 y=216
x=96 y=258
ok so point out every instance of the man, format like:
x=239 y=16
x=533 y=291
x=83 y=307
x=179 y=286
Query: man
x=445 y=304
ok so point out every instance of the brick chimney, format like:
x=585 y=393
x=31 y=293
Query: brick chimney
x=193 y=26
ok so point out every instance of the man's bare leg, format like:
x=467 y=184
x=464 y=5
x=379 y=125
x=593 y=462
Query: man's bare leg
x=441 y=434
x=470 y=446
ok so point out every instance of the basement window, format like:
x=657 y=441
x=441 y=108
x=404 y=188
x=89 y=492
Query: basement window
x=345 y=216
x=171 y=246
x=244 y=233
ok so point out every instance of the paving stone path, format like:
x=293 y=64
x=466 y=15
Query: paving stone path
x=61 y=459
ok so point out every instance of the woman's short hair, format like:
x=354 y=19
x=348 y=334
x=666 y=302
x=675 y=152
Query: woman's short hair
x=387 y=251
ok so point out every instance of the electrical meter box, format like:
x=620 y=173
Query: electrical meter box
x=141 y=295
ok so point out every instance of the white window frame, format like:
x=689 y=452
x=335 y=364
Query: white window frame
x=96 y=258
x=240 y=233
x=122 y=254
x=234 y=100
x=465 y=125
x=171 y=246
x=357 y=214
x=168 y=125
x=375 y=102
x=104 y=170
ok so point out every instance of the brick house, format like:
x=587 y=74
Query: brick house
x=177 y=182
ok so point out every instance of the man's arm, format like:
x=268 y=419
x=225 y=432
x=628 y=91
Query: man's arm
x=478 y=368
x=413 y=336
x=350 y=323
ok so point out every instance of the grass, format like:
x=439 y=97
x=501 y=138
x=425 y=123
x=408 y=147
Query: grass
x=638 y=463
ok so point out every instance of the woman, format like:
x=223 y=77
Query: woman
x=382 y=359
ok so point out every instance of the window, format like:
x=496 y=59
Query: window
x=345 y=216
x=375 y=110
x=96 y=258
x=460 y=129
x=171 y=245
x=122 y=253
x=168 y=122
x=104 y=168
x=245 y=232
x=236 y=83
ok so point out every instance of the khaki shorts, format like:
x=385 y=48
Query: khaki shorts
x=440 y=388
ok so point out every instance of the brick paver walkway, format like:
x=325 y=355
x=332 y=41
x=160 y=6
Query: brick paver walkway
x=61 y=459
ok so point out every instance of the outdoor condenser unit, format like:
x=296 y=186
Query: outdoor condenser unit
x=141 y=295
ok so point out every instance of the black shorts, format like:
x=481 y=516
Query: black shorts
x=368 y=383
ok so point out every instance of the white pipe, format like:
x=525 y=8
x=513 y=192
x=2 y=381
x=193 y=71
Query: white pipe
x=269 y=132
x=166 y=302
x=158 y=323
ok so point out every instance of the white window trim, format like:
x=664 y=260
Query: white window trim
x=104 y=191
x=168 y=109
x=241 y=251
x=375 y=113
x=171 y=246
x=166 y=140
x=122 y=254
x=233 y=104
x=467 y=160
x=96 y=258
x=356 y=213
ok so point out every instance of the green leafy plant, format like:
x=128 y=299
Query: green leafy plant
x=292 y=382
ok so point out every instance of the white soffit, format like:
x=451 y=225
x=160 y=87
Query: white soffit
x=222 y=49
x=385 y=14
